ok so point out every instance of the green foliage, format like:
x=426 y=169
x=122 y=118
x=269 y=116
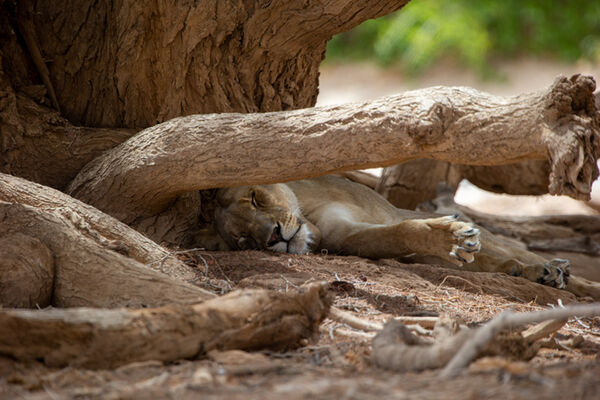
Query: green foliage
x=473 y=31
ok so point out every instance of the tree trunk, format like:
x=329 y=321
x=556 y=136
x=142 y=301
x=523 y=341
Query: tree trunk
x=129 y=65
x=144 y=175
x=135 y=64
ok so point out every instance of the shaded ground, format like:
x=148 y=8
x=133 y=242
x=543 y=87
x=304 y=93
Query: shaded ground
x=338 y=364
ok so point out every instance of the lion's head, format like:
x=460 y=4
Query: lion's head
x=264 y=217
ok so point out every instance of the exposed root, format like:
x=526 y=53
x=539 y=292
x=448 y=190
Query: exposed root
x=397 y=349
x=508 y=319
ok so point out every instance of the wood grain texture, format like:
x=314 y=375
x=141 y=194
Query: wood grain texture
x=135 y=64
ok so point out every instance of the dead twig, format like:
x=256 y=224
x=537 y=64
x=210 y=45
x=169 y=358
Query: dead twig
x=424 y=322
x=543 y=329
x=357 y=323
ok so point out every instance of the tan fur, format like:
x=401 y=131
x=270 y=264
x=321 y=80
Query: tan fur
x=345 y=217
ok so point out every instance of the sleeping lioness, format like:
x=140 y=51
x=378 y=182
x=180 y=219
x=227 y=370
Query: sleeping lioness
x=345 y=217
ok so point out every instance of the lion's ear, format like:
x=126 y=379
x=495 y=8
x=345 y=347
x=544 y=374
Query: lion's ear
x=209 y=239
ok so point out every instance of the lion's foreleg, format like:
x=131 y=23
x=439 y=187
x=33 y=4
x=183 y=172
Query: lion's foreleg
x=444 y=237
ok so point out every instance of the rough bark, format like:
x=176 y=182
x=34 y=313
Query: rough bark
x=97 y=338
x=87 y=258
x=143 y=175
x=135 y=64
x=27 y=271
x=30 y=130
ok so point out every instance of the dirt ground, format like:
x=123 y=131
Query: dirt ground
x=337 y=364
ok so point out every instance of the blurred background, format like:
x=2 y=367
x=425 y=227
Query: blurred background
x=501 y=47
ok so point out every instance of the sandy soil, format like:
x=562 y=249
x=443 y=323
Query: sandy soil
x=338 y=364
x=341 y=83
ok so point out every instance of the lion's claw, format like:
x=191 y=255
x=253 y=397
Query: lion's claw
x=463 y=239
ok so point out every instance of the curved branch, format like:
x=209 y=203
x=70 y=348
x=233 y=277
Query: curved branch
x=459 y=125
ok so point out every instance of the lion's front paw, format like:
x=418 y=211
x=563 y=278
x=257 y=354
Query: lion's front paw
x=460 y=239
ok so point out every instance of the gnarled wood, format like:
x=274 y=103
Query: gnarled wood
x=143 y=175
x=94 y=259
x=126 y=64
x=397 y=349
x=99 y=338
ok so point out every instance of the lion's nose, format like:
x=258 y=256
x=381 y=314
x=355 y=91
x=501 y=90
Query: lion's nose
x=275 y=236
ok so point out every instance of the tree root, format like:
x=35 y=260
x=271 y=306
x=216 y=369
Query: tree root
x=84 y=258
x=397 y=349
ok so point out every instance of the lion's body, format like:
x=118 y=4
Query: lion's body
x=345 y=217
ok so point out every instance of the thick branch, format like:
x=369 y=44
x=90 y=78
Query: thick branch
x=99 y=338
x=412 y=183
x=461 y=125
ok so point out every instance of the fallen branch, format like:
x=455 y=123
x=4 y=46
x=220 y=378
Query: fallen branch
x=543 y=329
x=100 y=338
x=397 y=349
x=424 y=322
x=142 y=176
x=358 y=323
